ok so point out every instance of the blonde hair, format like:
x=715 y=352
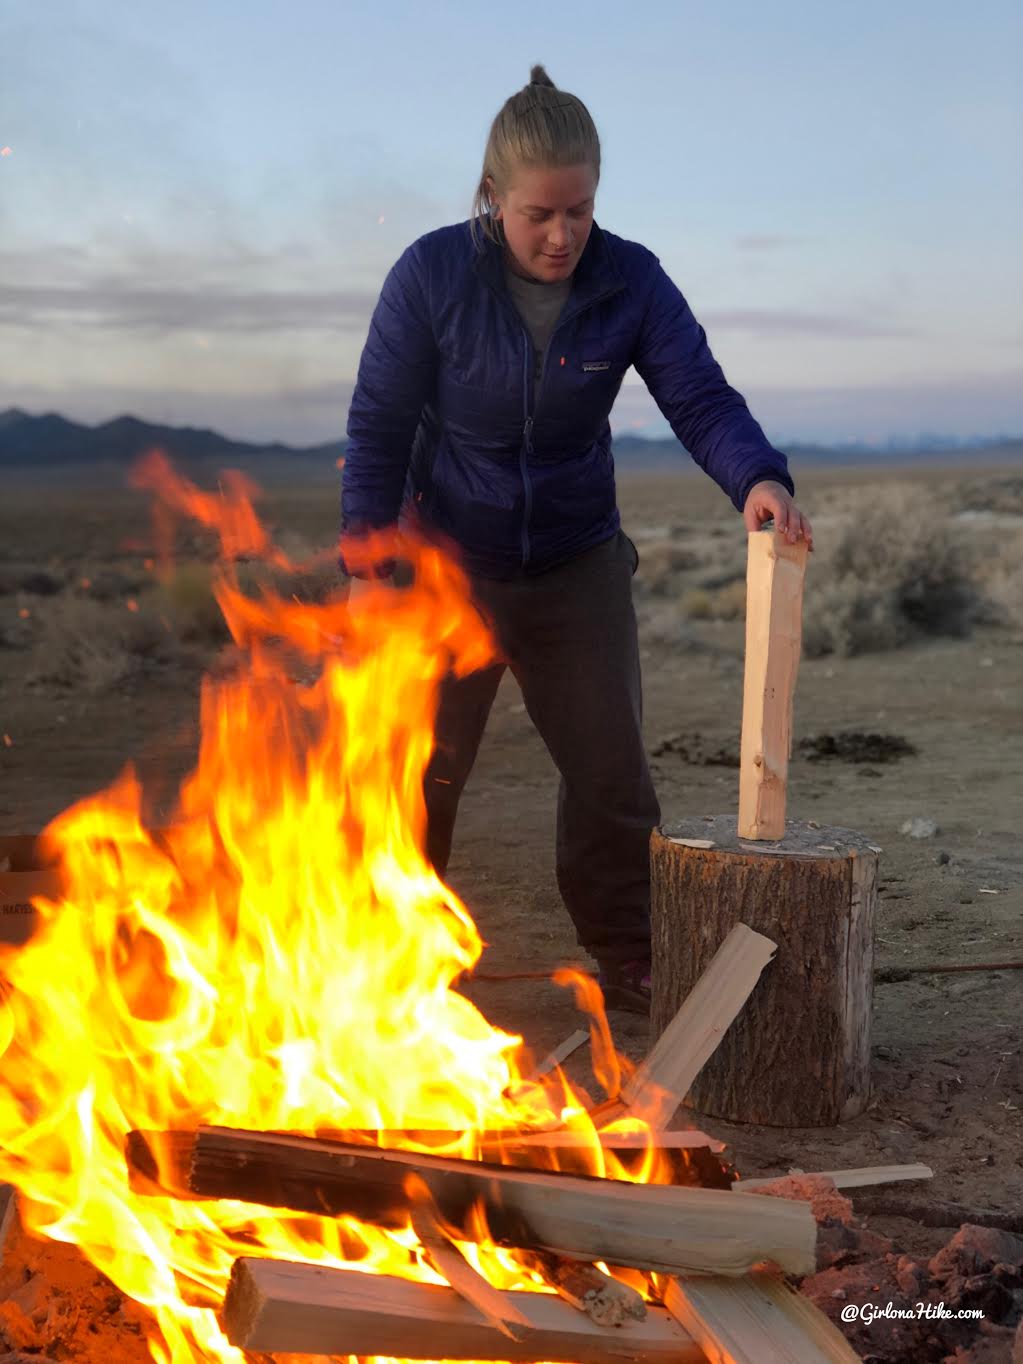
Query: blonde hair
x=538 y=127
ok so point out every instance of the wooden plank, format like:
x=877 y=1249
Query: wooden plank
x=860 y=1177
x=662 y=1228
x=755 y=1320
x=449 y=1262
x=274 y=1306
x=695 y=1031
x=774 y=607
x=560 y=1053
x=682 y=1139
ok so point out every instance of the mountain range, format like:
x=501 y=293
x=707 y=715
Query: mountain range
x=40 y=443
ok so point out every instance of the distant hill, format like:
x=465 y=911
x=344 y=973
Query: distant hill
x=37 y=444
x=51 y=440
x=640 y=453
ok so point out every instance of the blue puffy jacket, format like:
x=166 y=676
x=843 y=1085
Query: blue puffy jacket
x=446 y=417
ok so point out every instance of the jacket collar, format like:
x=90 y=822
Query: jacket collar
x=595 y=275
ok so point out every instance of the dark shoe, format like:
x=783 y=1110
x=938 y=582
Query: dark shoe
x=626 y=985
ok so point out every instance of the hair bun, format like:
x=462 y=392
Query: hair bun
x=538 y=76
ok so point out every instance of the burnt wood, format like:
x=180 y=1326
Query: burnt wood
x=652 y=1227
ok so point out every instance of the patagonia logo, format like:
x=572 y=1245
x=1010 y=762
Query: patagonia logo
x=590 y=365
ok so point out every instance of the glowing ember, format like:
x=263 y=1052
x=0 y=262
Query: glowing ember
x=282 y=956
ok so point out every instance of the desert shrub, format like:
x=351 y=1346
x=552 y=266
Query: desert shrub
x=38 y=583
x=895 y=572
x=1000 y=576
x=660 y=562
x=187 y=597
x=1001 y=495
x=189 y=601
x=107 y=584
x=91 y=646
x=665 y=626
x=724 y=603
x=315 y=581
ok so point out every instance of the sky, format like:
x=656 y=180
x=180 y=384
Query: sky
x=199 y=202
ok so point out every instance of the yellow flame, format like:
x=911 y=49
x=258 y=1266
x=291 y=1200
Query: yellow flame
x=282 y=955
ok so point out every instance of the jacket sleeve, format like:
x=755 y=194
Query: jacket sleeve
x=708 y=416
x=397 y=375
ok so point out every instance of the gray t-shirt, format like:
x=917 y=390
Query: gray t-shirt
x=540 y=307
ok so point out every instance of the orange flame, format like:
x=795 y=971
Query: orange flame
x=281 y=956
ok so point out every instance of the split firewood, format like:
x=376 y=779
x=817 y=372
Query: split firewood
x=681 y=1139
x=657 y=1227
x=775 y=572
x=755 y=1320
x=663 y=1080
x=608 y=1301
x=274 y=1307
x=560 y=1053
x=849 y=1179
x=452 y=1265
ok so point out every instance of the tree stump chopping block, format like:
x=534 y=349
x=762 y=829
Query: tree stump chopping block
x=798 y=1055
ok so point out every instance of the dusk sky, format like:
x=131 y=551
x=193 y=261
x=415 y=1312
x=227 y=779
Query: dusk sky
x=199 y=201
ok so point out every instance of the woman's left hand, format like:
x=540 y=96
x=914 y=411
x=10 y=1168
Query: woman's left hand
x=773 y=500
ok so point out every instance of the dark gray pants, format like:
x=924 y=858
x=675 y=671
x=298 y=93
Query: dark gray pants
x=569 y=637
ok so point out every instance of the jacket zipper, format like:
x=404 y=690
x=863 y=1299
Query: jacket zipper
x=526 y=449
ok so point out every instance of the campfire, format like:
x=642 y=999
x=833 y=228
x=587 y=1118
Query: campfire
x=239 y=1075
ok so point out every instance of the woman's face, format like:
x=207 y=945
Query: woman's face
x=547 y=216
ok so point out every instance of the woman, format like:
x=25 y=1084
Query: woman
x=494 y=356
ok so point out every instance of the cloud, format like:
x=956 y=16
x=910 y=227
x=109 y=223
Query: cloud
x=789 y=322
x=128 y=307
x=154 y=291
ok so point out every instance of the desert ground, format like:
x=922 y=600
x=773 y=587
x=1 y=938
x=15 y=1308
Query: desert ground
x=914 y=630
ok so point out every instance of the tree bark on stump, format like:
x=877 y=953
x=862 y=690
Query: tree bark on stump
x=798 y=1055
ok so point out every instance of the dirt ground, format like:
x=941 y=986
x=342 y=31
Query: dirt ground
x=948 y=1049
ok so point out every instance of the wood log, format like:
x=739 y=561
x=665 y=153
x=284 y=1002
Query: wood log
x=604 y=1298
x=684 y=1139
x=681 y=1162
x=756 y=1320
x=449 y=1262
x=647 y=1226
x=860 y=1177
x=774 y=630
x=798 y=1055
x=275 y=1306
x=560 y=1053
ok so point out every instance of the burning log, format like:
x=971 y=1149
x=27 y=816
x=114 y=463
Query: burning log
x=606 y=1299
x=449 y=1262
x=655 y=1227
x=276 y=1306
